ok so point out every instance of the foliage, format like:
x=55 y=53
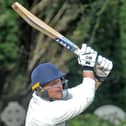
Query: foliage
x=122 y=23
x=88 y=120
x=91 y=120
x=101 y=24
x=112 y=44
x=9 y=36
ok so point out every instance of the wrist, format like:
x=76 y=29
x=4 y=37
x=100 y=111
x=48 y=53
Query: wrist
x=89 y=74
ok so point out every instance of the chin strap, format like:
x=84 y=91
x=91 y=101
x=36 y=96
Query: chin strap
x=40 y=91
x=43 y=94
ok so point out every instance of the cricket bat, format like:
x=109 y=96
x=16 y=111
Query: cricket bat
x=41 y=26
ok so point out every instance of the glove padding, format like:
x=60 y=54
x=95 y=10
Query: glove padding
x=102 y=68
x=87 y=56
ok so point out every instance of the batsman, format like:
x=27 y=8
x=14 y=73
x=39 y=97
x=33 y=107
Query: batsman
x=52 y=104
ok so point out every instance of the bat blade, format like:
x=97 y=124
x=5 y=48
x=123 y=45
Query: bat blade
x=41 y=26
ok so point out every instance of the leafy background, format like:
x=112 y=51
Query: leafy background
x=99 y=23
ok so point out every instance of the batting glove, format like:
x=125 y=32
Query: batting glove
x=87 y=57
x=103 y=68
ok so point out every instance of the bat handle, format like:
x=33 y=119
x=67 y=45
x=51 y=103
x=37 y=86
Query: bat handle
x=77 y=51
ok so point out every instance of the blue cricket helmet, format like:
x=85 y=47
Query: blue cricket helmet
x=45 y=73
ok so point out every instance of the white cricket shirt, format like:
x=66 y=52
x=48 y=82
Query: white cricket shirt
x=56 y=113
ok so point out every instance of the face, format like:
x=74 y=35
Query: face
x=54 y=89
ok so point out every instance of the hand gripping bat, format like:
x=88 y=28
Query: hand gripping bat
x=41 y=26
